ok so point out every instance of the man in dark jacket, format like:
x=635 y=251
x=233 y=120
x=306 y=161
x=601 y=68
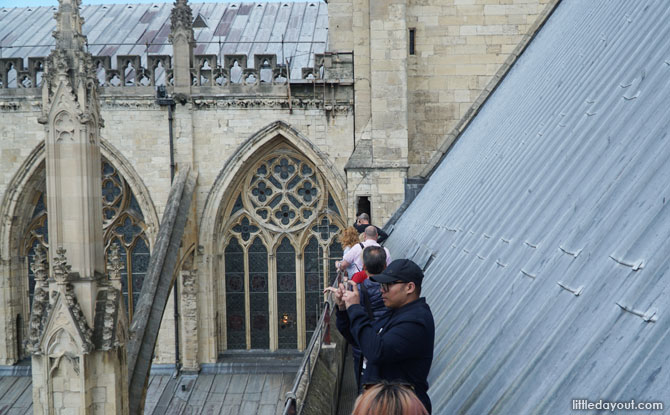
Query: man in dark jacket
x=398 y=346
x=374 y=262
x=363 y=221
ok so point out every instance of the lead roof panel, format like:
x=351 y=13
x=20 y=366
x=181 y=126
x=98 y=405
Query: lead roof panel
x=549 y=223
x=294 y=31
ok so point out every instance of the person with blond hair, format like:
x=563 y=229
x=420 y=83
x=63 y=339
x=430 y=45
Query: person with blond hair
x=389 y=399
x=348 y=238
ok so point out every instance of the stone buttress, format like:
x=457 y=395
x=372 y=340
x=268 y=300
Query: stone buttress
x=78 y=326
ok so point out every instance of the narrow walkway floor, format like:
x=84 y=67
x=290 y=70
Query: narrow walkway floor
x=349 y=389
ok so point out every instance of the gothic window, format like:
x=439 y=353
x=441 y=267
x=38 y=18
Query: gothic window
x=123 y=223
x=313 y=267
x=234 y=257
x=335 y=252
x=281 y=221
x=258 y=295
x=286 y=295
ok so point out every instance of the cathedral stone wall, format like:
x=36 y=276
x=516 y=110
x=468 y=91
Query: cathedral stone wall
x=19 y=135
x=368 y=124
x=461 y=49
x=460 y=45
x=220 y=132
x=207 y=133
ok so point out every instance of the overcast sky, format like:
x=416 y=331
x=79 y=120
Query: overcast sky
x=27 y=3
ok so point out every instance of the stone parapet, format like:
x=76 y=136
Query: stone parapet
x=225 y=71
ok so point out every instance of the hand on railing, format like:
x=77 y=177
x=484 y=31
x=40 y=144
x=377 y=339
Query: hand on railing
x=334 y=293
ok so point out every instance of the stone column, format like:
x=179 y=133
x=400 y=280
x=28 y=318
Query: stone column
x=182 y=39
x=189 y=321
x=388 y=72
x=378 y=167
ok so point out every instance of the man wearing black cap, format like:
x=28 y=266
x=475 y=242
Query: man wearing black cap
x=398 y=346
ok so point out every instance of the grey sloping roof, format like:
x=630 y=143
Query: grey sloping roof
x=546 y=229
x=209 y=393
x=126 y=29
x=241 y=393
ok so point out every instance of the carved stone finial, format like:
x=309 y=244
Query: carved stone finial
x=61 y=269
x=114 y=265
x=40 y=266
x=68 y=32
x=69 y=62
x=181 y=20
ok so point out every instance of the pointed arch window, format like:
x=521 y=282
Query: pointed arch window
x=280 y=225
x=235 y=309
x=286 y=290
x=123 y=223
x=258 y=295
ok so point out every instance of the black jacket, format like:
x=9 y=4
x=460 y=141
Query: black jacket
x=382 y=235
x=398 y=345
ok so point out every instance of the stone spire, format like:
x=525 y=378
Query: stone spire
x=183 y=41
x=71 y=114
x=77 y=327
x=68 y=32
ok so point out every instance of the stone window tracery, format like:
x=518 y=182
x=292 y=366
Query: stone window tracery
x=279 y=232
x=123 y=223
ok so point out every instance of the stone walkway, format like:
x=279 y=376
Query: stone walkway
x=349 y=389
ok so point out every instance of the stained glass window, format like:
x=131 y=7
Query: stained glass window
x=123 y=223
x=286 y=301
x=284 y=191
x=281 y=197
x=235 y=314
x=258 y=295
x=313 y=286
x=335 y=253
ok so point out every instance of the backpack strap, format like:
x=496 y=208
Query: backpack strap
x=362 y=248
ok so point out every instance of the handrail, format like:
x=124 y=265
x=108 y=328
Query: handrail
x=321 y=331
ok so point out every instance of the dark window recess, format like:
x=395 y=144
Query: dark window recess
x=235 y=310
x=258 y=295
x=363 y=206
x=286 y=290
x=313 y=265
x=412 y=39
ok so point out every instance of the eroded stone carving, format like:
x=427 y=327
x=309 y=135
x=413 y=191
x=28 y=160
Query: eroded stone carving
x=40 y=307
x=181 y=21
x=114 y=265
x=61 y=268
x=77 y=314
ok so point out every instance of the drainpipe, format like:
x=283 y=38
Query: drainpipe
x=163 y=100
